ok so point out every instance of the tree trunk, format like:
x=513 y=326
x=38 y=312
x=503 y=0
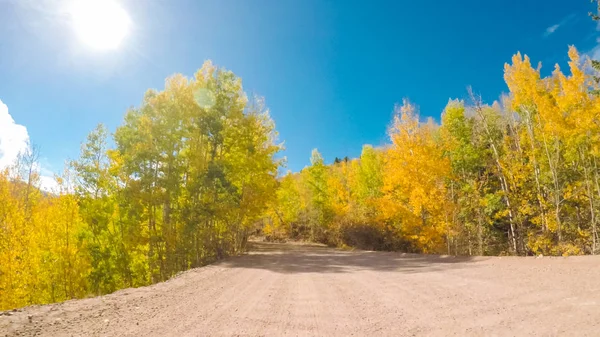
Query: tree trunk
x=536 y=168
x=479 y=234
x=502 y=176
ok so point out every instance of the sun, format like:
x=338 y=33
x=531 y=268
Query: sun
x=101 y=24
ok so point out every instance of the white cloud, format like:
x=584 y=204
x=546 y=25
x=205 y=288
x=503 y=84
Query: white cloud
x=551 y=29
x=47 y=181
x=13 y=138
x=594 y=53
x=49 y=184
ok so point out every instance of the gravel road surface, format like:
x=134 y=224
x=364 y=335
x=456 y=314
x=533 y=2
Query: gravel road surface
x=310 y=290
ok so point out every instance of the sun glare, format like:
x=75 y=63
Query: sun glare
x=101 y=24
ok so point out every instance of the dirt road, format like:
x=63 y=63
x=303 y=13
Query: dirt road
x=303 y=290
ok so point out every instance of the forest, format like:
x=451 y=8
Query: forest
x=190 y=171
x=194 y=171
x=518 y=177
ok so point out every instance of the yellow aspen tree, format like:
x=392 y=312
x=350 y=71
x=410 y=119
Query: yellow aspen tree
x=414 y=180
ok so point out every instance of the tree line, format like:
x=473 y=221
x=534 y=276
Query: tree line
x=178 y=185
x=192 y=172
x=518 y=177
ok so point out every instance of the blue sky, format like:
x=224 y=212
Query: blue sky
x=330 y=71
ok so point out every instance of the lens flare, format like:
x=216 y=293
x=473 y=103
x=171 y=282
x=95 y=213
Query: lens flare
x=205 y=98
